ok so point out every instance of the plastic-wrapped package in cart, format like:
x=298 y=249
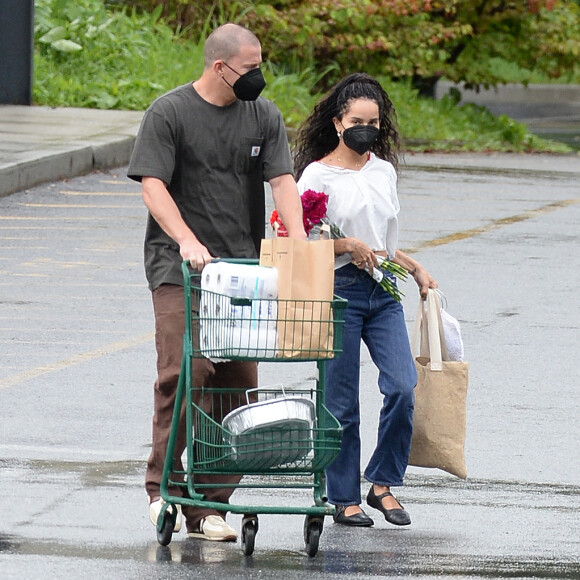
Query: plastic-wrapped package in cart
x=238 y=311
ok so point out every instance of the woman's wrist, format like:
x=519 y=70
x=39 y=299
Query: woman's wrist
x=341 y=246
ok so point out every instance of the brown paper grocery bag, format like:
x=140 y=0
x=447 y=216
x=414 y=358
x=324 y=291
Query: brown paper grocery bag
x=439 y=419
x=305 y=291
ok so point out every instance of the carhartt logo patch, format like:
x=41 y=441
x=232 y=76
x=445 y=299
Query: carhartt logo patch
x=255 y=151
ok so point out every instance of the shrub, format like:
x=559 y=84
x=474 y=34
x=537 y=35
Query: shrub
x=89 y=56
x=418 y=39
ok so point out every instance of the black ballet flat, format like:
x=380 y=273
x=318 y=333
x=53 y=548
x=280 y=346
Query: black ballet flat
x=360 y=520
x=398 y=516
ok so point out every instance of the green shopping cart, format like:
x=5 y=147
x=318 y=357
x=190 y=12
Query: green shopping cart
x=284 y=437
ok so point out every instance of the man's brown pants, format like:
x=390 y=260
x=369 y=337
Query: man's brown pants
x=168 y=305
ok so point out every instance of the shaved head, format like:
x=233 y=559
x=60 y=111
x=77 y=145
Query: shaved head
x=225 y=42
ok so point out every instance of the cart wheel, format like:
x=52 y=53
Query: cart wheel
x=312 y=531
x=165 y=526
x=249 y=530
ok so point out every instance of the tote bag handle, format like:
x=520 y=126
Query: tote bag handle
x=427 y=338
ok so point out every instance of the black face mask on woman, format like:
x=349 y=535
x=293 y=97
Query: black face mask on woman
x=249 y=86
x=360 y=138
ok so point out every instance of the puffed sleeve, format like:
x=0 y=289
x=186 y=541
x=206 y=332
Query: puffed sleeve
x=310 y=179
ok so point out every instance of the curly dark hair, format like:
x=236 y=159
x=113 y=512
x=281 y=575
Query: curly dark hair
x=317 y=135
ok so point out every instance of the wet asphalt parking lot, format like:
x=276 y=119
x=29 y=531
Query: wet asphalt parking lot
x=76 y=336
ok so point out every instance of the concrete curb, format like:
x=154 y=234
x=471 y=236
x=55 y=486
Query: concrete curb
x=40 y=144
x=515 y=93
x=505 y=163
x=65 y=164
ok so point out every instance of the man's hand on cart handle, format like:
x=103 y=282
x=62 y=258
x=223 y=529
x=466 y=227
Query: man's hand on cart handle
x=196 y=253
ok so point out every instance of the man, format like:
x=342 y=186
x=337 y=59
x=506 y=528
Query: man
x=202 y=155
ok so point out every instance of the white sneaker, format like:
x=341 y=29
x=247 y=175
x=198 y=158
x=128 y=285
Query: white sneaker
x=155 y=510
x=216 y=529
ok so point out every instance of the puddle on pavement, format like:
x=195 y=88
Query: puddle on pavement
x=187 y=556
x=89 y=473
x=410 y=553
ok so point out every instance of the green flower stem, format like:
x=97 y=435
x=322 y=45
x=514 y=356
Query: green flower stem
x=390 y=266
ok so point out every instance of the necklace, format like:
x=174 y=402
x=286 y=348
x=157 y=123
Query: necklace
x=333 y=160
x=357 y=165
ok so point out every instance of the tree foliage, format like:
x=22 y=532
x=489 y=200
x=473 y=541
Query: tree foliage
x=461 y=40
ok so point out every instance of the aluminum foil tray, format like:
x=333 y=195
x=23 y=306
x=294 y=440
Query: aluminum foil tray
x=270 y=433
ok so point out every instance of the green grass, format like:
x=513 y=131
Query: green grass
x=89 y=56
x=125 y=59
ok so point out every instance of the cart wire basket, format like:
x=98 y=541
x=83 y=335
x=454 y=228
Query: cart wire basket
x=280 y=431
x=253 y=328
x=284 y=437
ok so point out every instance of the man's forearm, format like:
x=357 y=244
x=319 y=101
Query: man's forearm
x=164 y=210
x=288 y=205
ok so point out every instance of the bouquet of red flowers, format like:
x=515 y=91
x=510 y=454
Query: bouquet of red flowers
x=314 y=205
x=313 y=210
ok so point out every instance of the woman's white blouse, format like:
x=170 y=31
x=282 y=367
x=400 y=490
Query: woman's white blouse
x=363 y=203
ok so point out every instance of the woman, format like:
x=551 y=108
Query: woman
x=347 y=149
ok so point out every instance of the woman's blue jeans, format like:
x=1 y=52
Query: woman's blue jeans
x=375 y=317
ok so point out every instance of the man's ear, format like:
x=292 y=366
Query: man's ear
x=218 y=67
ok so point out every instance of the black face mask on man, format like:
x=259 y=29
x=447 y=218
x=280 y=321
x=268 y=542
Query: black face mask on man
x=249 y=86
x=360 y=138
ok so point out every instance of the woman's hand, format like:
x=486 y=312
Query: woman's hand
x=362 y=256
x=424 y=280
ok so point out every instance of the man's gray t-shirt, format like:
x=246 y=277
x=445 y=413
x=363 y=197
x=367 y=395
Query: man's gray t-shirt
x=214 y=161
